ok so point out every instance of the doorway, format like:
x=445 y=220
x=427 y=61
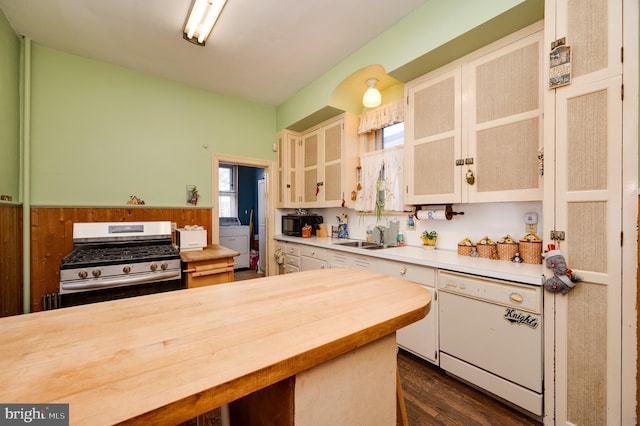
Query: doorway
x=258 y=174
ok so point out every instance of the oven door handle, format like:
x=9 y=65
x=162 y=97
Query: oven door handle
x=105 y=283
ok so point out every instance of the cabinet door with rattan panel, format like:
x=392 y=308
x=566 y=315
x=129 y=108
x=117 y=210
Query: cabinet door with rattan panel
x=288 y=146
x=504 y=113
x=333 y=178
x=433 y=138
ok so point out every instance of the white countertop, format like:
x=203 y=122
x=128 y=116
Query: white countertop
x=441 y=259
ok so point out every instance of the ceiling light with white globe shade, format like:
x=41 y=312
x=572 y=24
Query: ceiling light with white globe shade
x=372 y=97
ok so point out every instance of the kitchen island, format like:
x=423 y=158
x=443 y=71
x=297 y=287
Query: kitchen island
x=319 y=346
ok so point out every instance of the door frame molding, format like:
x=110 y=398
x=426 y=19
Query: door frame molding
x=269 y=167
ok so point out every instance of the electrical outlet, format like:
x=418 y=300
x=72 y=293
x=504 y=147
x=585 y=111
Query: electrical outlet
x=530 y=218
x=531 y=228
x=173 y=226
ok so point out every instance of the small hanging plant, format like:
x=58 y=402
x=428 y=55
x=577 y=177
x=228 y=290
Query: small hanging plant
x=380 y=193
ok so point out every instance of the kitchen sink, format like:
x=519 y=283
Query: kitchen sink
x=364 y=245
x=376 y=247
x=359 y=244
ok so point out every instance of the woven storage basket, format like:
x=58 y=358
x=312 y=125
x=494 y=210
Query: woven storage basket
x=531 y=252
x=464 y=250
x=506 y=251
x=484 y=250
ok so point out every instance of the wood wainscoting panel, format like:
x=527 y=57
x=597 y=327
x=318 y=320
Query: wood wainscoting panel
x=11 y=277
x=52 y=236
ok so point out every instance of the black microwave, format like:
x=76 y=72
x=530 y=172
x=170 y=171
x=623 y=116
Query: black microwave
x=292 y=224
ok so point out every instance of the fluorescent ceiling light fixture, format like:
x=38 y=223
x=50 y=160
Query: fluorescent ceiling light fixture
x=203 y=16
x=372 y=97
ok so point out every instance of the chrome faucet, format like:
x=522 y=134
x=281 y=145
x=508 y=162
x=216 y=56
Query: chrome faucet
x=380 y=230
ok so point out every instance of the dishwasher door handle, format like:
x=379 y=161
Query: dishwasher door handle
x=516 y=298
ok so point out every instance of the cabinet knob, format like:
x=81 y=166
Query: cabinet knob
x=470 y=178
x=403 y=271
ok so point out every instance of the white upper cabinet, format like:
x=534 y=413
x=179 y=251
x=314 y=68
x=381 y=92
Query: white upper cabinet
x=311 y=172
x=505 y=133
x=317 y=167
x=474 y=127
x=433 y=138
x=287 y=144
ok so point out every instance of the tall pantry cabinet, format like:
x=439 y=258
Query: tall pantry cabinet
x=591 y=175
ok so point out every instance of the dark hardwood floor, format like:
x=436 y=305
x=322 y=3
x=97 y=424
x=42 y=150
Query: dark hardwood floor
x=246 y=274
x=434 y=398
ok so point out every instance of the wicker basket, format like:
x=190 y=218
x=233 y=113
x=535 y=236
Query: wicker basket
x=506 y=251
x=464 y=250
x=485 y=250
x=531 y=252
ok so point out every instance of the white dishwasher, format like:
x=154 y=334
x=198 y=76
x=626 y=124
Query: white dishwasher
x=491 y=336
x=235 y=236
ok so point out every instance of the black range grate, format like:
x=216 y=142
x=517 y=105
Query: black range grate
x=109 y=255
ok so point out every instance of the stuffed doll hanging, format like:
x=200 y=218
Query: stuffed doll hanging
x=563 y=278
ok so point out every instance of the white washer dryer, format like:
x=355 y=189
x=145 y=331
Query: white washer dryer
x=235 y=236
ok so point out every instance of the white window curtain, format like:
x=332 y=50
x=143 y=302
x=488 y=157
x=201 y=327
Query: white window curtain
x=381 y=181
x=380 y=191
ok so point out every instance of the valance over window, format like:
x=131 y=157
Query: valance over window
x=380 y=117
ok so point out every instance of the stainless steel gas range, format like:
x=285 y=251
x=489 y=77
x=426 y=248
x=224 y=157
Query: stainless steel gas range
x=114 y=260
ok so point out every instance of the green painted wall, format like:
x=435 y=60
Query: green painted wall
x=9 y=107
x=101 y=133
x=430 y=27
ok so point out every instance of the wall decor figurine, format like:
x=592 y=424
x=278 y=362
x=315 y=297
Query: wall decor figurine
x=134 y=200
x=192 y=194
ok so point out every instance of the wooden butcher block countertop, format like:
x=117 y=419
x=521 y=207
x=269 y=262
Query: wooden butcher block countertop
x=165 y=358
x=211 y=252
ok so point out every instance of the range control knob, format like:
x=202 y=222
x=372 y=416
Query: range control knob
x=83 y=274
x=96 y=273
x=126 y=269
x=153 y=267
x=164 y=266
